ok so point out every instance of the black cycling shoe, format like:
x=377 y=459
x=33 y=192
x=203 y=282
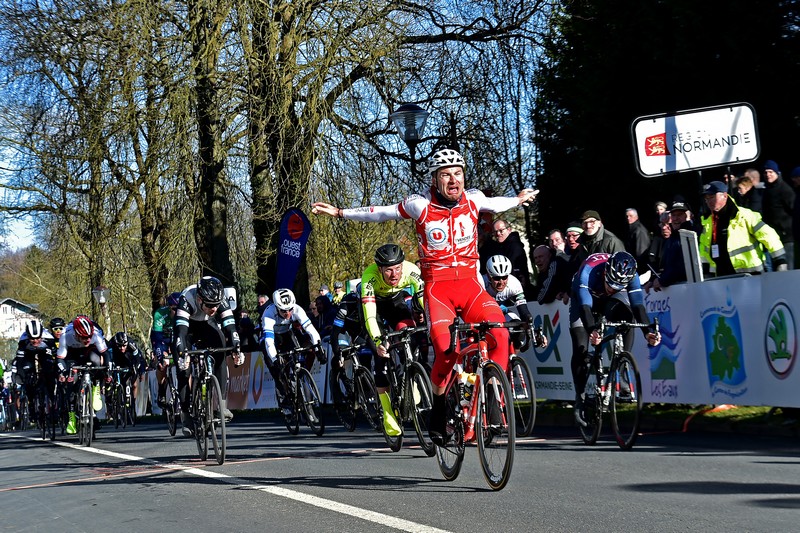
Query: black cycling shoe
x=578 y=411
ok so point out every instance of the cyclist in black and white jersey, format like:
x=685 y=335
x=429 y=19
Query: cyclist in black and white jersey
x=204 y=320
x=285 y=326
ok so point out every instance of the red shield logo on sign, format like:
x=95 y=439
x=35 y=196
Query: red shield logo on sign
x=656 y=145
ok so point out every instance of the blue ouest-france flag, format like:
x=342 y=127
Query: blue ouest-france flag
x=295 y=229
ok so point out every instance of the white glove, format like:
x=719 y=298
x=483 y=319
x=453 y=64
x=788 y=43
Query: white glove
x=238 y=358
x=183 y=362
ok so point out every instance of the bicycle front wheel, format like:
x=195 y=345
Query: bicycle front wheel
x=199 y=419
x=343 y=399
x=312 y=404
x=592 y=413
x=626 y=400
x=420 y=401
x=495 y=426
x=169 y=409
x=120 y=416
x=216 y=414
x=367 y=398
x=451 y=456
x=524 y=391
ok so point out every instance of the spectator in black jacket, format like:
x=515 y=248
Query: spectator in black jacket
x=552 y=275
x=748 y=195
x=638 y=241
x=778 y=204
x=596 y=238
x=508 y=243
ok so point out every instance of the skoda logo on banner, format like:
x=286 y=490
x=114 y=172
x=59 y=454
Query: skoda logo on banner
x=780 y=339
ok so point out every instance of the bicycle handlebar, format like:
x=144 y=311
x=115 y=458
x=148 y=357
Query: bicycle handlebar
x=208 y=350
x=627 y=325
x=404 y=334
x=481 y=328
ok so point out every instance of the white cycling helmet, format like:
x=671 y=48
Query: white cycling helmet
x=283 y=299
x=444 y=158
x=498 y=266
x=34 y=329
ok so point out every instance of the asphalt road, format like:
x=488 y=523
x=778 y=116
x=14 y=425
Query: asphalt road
x=140 y=479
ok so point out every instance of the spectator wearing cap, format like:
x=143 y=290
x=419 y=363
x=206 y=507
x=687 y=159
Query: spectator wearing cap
x=338 y=292
x=778 y=205
x=573 y=246
x=324 y=290
x=596 y=238
x=731 y=235
x=638 y=241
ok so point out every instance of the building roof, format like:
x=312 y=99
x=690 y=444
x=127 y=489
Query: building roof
x=22 y=306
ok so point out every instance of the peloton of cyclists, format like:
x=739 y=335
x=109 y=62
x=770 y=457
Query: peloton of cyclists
x=204 y=319
x=446 y=222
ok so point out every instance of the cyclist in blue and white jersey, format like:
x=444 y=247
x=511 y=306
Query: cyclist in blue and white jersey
x=285 y=326
x=605 y=284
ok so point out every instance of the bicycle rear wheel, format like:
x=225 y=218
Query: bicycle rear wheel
x=343 y=399
x=199 y=418
x=451 y=456
x=367 y=398
x=626 y=400
x=420 y=401
x=495 y=426
x=592 y=412
x=524 y=391
x=216 y=414
x=312 y=404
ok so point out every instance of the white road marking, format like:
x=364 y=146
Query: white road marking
x=322 y=503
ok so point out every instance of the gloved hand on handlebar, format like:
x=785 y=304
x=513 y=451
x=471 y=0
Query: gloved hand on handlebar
x=322 y=357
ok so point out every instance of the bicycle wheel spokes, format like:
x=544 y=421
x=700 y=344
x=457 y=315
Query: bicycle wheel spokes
x=367 y=398
x=495 y=426
x=344 y=399
x=216 y=413
x=420 y=401
x=626 y=400
x=451 y=456
x=524 y=391
x=199 y=420
x=312 y=405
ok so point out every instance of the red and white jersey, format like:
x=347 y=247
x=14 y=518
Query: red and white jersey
x=447 y=237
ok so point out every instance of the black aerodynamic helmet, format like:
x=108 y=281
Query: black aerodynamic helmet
x=389 y=255
x=210 y=290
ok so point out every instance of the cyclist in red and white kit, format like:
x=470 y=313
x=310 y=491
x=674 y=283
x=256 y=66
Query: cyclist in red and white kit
x=446 y=222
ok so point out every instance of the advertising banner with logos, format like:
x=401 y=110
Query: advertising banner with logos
x=251 y=385
x=727 y=340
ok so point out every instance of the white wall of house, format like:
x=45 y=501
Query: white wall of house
x=13 y=315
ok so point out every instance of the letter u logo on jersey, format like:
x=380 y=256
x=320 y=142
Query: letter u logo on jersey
x=436 y=234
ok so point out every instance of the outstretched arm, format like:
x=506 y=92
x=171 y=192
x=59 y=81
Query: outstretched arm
x=321 y=208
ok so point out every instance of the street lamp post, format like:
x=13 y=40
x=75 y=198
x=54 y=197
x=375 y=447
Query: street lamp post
x=409 y=119
x=101 y=295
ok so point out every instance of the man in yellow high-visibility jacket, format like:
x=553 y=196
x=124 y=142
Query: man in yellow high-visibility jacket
x=731 y=236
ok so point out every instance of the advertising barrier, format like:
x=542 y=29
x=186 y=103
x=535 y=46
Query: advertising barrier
x=726 y=340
